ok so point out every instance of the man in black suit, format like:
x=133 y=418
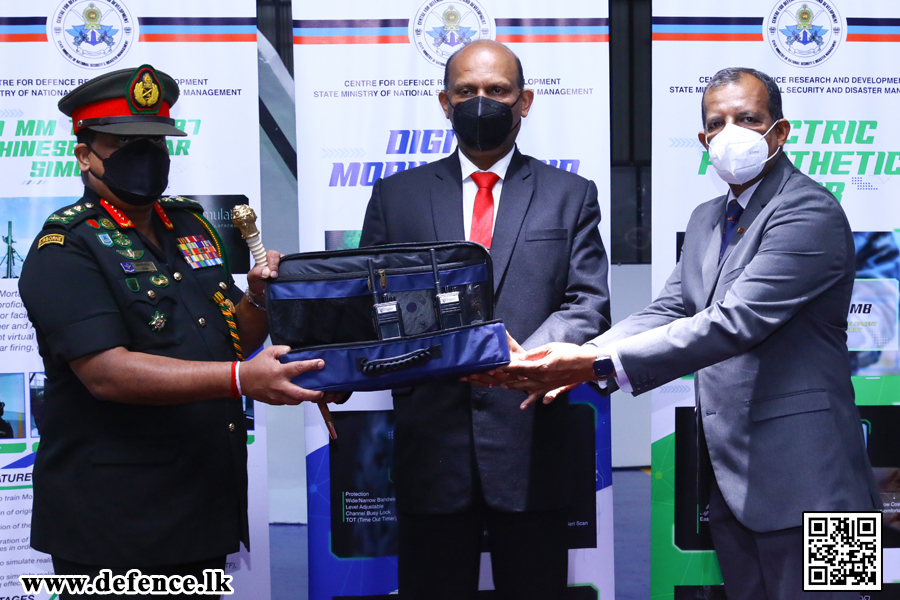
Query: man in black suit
x=465 y=458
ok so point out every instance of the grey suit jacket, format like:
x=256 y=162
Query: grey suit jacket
x=765 y=332
x=550 y=273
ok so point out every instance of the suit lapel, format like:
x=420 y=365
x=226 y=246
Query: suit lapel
x=518 y=187
x=767 y=190
x=770 y=186
x=713 y=229
x=446 y=200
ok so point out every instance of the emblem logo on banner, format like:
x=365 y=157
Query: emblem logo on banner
x=92 y=34
x=442 y=27
x=805 y=33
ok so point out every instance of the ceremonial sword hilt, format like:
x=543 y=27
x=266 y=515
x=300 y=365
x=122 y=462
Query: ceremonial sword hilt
x=244 y=218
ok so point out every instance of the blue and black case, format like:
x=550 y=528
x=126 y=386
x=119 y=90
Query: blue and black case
x=387 y=316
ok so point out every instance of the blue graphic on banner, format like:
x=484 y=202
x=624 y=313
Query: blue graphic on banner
x=25 y=461
x=104 y=34
x=352 y=518
x=602 y=431
x=805 y=36
x=338 y=576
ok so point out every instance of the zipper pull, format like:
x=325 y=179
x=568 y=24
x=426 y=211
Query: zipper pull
x=383 y=275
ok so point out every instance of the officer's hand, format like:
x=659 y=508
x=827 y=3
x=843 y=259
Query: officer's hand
x=265 y=379
x=498 y=376
x=336 y=397
x=256 y=278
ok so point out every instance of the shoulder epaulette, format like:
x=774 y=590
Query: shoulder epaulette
x=70 y=216
x=180 y=202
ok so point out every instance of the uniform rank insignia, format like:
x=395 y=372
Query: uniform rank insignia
x=199 y=252
x=54 y=218
x=121 y=239
x=53 y=238
x=139 y=267
x=157 y=321
x=105 y=239
x=132 y=254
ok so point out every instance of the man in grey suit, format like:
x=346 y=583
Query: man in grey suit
x=468 y=460
x=757 y=309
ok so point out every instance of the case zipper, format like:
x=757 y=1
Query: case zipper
x=385 y=273
x=377 y=342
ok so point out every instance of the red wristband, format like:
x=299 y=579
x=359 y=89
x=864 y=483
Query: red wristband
x=234 y=386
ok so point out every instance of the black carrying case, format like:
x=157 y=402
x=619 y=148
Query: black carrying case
x=323 y=306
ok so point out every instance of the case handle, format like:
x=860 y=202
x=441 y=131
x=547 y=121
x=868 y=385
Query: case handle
x=383 y=366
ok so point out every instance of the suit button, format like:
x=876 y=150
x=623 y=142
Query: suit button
x=231 y=427
x=177 y=276
x=202 y=322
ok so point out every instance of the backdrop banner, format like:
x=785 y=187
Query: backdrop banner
x=834 y=62
x=368 y=76
x=48 y=48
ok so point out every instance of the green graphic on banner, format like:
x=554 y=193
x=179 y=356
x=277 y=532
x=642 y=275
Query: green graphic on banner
x=671 y=565
x=53 y=148
x=877 y=391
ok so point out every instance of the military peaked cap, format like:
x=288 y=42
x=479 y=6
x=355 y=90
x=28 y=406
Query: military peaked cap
x=124 y=102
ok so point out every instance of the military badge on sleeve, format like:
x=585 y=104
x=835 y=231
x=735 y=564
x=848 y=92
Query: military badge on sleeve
x=53 y=238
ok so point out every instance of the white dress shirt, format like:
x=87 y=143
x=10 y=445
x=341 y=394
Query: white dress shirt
x=621 y=377
x=470 y=188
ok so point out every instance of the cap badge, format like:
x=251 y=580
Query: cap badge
x=145 y=91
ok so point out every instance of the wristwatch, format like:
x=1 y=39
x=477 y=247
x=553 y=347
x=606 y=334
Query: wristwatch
x=603 y=366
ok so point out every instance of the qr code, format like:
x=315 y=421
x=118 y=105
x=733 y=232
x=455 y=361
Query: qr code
x=842 y=551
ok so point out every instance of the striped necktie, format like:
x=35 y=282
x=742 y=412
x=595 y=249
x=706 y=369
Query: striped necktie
x=732 y=216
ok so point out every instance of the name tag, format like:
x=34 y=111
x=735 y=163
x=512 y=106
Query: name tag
x=139 y=267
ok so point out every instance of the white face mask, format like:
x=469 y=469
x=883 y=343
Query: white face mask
x=739 y=154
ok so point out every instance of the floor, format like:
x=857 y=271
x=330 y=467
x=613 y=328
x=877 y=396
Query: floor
x=631 y=517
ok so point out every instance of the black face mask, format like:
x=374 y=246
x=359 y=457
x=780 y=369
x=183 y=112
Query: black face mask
x=482 y=123
x=137 y=173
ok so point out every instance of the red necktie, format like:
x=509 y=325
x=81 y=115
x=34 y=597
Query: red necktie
x=483 y=214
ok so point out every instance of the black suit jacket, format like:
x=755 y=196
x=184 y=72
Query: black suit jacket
x=550 y=273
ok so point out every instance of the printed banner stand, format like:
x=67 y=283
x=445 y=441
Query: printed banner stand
x=367 y=107
x=834 y=63
x=51 y=47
